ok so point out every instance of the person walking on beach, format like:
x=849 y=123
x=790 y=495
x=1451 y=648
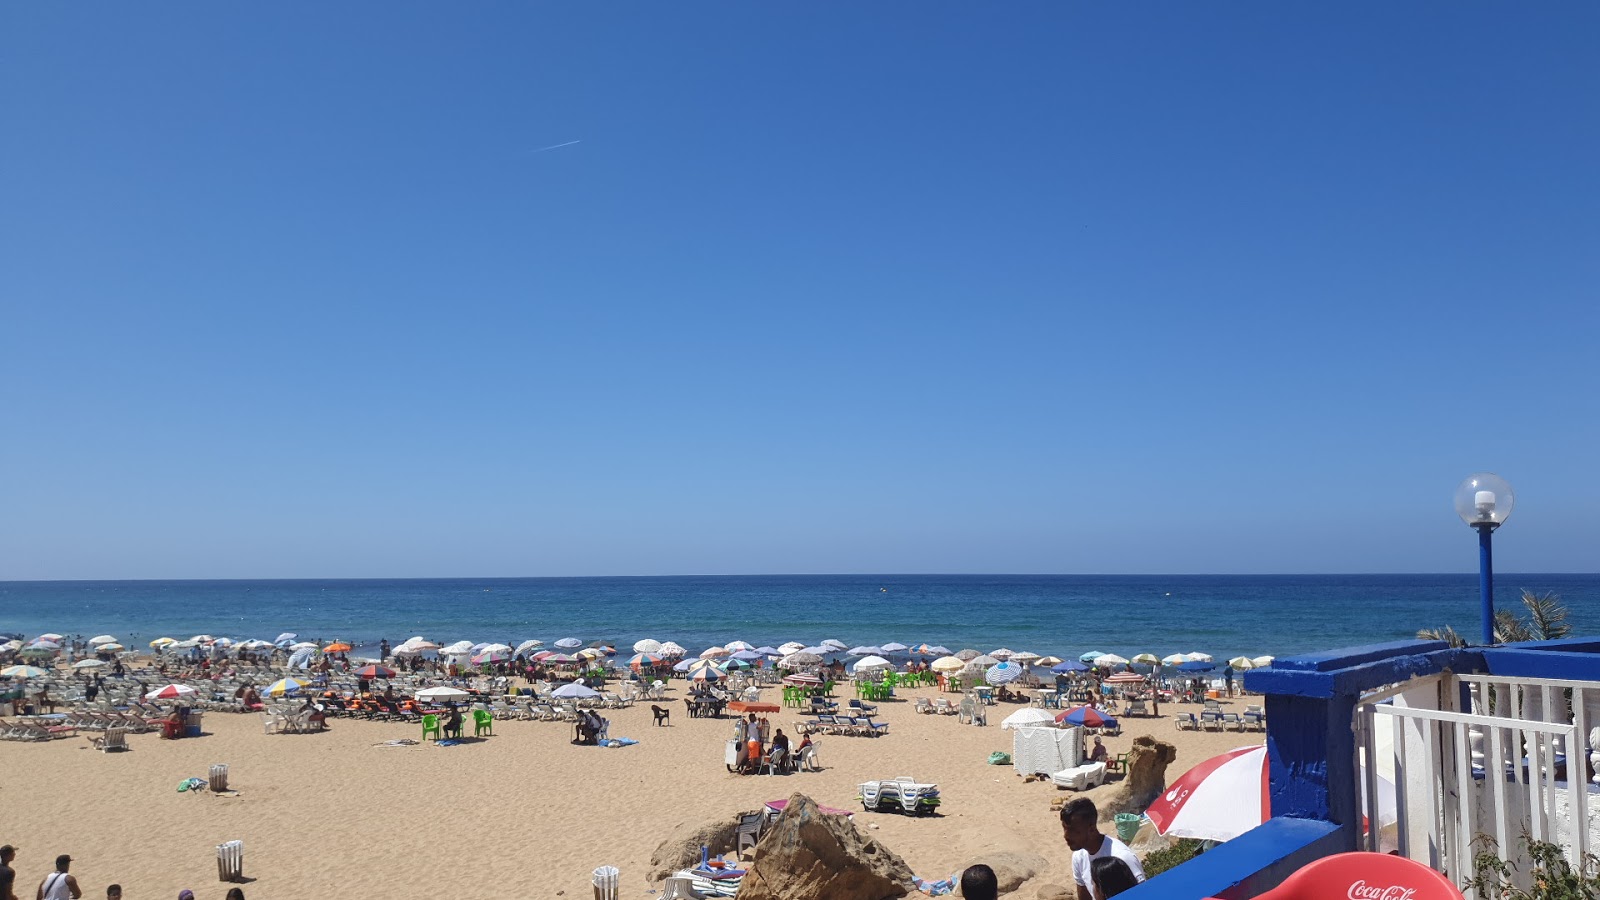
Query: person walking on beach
x=1079 y=825
x=8 y=875
x=1227 y=677
x=59 y=885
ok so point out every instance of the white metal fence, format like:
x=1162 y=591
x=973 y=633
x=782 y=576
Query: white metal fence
x=1477 y=755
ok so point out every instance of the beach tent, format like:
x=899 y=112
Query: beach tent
x=870 y=664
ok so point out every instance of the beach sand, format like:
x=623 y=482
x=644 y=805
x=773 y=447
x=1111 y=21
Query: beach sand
x=522 y=814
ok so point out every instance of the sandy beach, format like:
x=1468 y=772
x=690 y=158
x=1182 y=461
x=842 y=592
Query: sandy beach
x=524 y=813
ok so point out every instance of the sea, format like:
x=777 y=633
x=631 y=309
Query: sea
x=1053 y=615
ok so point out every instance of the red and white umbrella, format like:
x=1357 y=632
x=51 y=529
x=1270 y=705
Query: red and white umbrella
x=1227 y=795
x=171 y=692
x=375 y=671
x=1125 y=678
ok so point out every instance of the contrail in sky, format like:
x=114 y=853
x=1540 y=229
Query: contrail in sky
x=553 y=147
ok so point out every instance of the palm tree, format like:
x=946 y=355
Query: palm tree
x=1547 y=621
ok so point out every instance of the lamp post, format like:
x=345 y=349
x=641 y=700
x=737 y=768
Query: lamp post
x=1484 y=502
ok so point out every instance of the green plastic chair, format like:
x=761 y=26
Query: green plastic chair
x=430 y=725
x=482 y=721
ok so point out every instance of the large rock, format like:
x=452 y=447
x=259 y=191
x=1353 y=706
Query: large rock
x=1056 y=892
x=682 y=849
x=1147 y=778
x=1010 y=869
x=807 y=855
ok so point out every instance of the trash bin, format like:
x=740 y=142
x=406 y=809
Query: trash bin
x=1127 y=826
x=191 y=724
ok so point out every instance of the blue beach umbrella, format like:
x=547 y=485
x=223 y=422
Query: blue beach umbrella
x=568 y=643
x=866 y=650
x=747 y=655
x=709 y=673
x=768 y=651
x=1004 y=673
x=895 y=647
x=1070 y=665
x=1197 y=665
x=1090 y=656
x=1088 y=717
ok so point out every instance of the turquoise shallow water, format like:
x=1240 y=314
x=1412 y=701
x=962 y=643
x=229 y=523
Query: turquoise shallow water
x=1064 y=615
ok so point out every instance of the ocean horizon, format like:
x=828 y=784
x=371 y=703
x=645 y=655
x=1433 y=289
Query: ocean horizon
x=1062 y=615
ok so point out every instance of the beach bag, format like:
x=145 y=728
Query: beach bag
x=999 y=758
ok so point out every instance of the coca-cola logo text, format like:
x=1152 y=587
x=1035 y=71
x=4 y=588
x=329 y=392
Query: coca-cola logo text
x=1360 y=890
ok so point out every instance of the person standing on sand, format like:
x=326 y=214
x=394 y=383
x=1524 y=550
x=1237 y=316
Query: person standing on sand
x=8 y=875
x=59 y=885
x=1079 y=825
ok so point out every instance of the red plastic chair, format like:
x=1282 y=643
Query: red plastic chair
x=1364 y=876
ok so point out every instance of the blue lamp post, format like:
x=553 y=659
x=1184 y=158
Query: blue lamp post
x=1484 y=502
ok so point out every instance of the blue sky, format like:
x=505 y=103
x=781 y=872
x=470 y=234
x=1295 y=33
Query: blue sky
x=1035 y=287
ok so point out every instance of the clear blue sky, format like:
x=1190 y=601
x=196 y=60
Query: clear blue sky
x=288 y=289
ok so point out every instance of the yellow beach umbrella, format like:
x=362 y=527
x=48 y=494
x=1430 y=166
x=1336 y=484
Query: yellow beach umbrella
x=1146 y=659
x=160 y=642
x=1242 y=662
x=284 y=686
x=948 y=664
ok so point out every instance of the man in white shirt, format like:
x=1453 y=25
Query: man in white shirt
x=1080 y=826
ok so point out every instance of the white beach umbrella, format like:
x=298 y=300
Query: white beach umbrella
x=22 y=672
x=190 y=644
x=11 y=645
x=967 y=654
x=458 y=648
x=568 y=643
x=528 y=646
x=1110 y=659
x=99 y=639
x=647 y=646
x=1048 y=661
x=420 y=646
x=1176 y=659
x=948 y=664
x=672 y=648
x=495 y=648
x=257 y=644
x=202 y=639
x=866 y=650
x=834 y=644
x=800 y=661
x=442 y=692
x=1261 y=661
x=982 y=661
x=713 y=653
x=89 y=664
x=286 y=636
x=50 y=636
x=869 y=664
x=736 y=646
x=1001 y=654
x=575 y=690
x=1197 y=657
x=895 y=647
x=303 y=645
x=1003 y=673
x=791 y=647
x=1029 y=717
x=1026 y=656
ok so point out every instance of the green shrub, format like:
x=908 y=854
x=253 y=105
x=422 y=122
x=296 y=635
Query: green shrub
x=1553 y=877
x=1158 y=861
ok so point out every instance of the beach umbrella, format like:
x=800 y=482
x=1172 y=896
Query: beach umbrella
x=1087 y=716
x=575 y=690
x=11 y=645
x=647 y=645
x=590 y=653
x=982 y=660
x=1026 y=656
x=99 y=639
x=442 y=692
x=734 y=662
x=768 y=651
x=831 y=643
x=866 y=650
x=643 y=660
x=36 y=651
x=559 y=658
x=284 y=686
x=1197 y=656
x=526 y=646
x=672 y=649
x=936 y=650
x=190 y=644
x=948 y=664
x=800 y=660
x=736 y=646
x=1242 y=662
x=301 y=659
x=490 y=656
x=683 y=665
x=1126 y=678
x=375 y=671
x=1004 y=673
x=966 y=654
x=1028 y=716
x=289 y=636
x=1110 y=659
x=1146 y=659
x=713 y=653
x=1091 y=656
x=1176 y=659
x=22 y=672
x=110 y=648
x=818 y=650
x=202 y=639
x=1048 y=661
x=171 y=692
x=1001 y=654
x=1196 y=665
x=695 y=665
x=569 y=643
x=337 y=647
x=50 y=636
x=1261 y=661
x=478 y=646
x=419 y=645
x=895 y=647
x=43 y=644
x=89 y=664
x=495 y=648
x=707 y=673
x=790 y=647
x=256 y=644
x=302 y=645
x=747 y=655
x=807 y=680
x=869 y=664
x=223 y=642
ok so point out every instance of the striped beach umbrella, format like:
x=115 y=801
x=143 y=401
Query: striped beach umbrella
x=284 y=686
x=643 y=660
x=375 y=671
x=1004 y=673
x=707 y=673
x=1087 y=716
x=22 y=672
x=171 y=692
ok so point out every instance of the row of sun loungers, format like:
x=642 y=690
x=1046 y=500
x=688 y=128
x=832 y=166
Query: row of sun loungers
x=849 y=725
x=1216 y=720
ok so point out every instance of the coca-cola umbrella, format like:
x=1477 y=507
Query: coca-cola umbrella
x=171 y=692
x=1227 y=795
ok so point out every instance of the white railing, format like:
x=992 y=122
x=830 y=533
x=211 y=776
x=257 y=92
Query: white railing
x=1499 y=768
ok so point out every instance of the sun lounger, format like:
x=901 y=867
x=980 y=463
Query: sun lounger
x=113 y=739
x=1211 y=720
x=1185 y=721
x=1080 y=778
x=1232 y=722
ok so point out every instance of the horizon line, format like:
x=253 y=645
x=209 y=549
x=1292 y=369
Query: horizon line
x=799 y=575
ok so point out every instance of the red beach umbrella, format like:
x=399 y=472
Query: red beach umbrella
x=375 y=671
x=1087 y=716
